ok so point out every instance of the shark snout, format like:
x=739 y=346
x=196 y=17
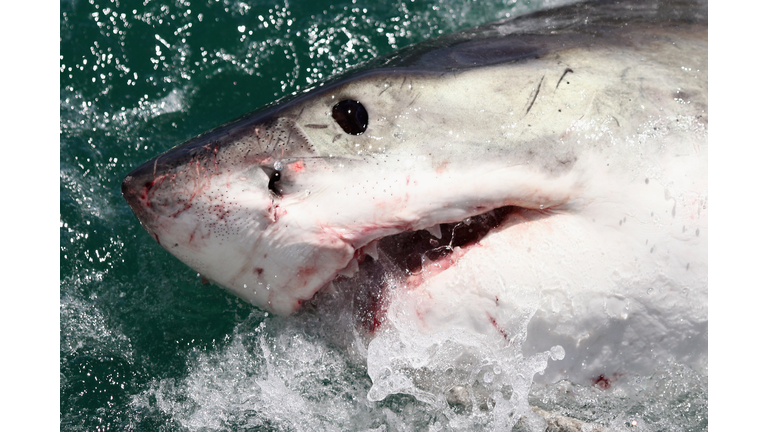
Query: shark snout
x=136 y=187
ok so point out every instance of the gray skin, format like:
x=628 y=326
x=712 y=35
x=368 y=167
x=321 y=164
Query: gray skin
x=579 y=117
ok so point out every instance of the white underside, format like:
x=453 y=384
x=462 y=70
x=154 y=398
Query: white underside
x=620 y=283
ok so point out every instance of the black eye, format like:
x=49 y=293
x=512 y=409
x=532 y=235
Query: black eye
x=272 y=186
x=274 y=177
x=351 y=116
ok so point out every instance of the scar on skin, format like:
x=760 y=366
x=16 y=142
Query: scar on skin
x=563 y=76
x=535 y=95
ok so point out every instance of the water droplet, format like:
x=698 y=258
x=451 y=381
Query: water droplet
x=245 y=286
x=268 y=287
x=650 y=290
x=488 y=377
x=557 y=352
x=278 y=165
x=496 y=369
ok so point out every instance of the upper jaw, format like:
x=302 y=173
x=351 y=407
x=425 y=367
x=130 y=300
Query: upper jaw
x=277 y=252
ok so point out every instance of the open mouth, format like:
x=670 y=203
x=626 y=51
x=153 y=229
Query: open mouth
x=409 y=258
x=412 y=251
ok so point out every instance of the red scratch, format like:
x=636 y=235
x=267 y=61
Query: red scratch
x=298 y=166
x=604 y=383
x=499 y=328
x=441 y=168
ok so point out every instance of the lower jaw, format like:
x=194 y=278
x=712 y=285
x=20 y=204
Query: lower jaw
x=408 y=259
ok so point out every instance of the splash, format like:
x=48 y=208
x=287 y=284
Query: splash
x=314 y=371
x=471 y=379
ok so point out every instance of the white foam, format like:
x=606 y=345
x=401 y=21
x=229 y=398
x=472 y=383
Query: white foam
x=472 y=379
x=312 y=372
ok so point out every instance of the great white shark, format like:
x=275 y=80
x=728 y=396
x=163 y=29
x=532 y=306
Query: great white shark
x=554 y=163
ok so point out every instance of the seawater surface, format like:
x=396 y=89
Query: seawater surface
x=144 y=344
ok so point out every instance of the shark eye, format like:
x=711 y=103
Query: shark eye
x=351 y=116
x=274 y=178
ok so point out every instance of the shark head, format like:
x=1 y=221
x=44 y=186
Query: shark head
x=275 y=206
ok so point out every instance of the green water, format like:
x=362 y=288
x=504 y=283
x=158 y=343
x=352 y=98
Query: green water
x=143 y=342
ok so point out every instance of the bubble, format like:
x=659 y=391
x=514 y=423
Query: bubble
x=278 y=165
x=557 y=352
x=488 y=377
